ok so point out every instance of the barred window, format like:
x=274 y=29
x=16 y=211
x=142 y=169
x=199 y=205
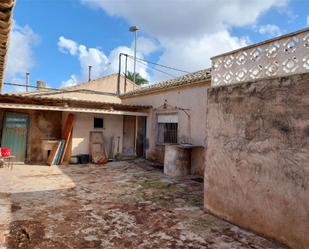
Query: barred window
x=167 y=129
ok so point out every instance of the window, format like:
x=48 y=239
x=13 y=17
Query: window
x=98 y=122
x=167 y=128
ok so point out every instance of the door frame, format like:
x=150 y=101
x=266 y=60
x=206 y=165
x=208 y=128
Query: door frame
x=134 y=135
x=5 y=112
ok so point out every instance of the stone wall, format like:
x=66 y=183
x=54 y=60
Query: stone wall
x=257 y=159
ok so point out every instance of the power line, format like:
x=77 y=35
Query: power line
x=160 y=65
x=141 y=62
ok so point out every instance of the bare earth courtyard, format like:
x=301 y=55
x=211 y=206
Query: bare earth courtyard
x=119 y=205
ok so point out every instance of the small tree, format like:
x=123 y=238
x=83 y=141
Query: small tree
x=139 y=80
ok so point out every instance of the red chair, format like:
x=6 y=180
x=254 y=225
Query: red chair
x=5 y=152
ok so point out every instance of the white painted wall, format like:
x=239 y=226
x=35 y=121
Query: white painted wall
x=83 y=124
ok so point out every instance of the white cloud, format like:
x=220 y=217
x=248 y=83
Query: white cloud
x=65 y=45
x=20 y=55
x=72 y=81
x=195 y=54
x=270 y=29
x=101 y=63
x=189 y=32
x=185 y=18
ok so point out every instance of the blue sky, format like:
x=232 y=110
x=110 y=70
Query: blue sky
x=55 y=40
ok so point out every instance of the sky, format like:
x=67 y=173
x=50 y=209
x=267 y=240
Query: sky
x=56 y=40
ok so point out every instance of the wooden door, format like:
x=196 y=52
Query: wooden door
x=128 y=147
x=14 y=135
x=141 y=137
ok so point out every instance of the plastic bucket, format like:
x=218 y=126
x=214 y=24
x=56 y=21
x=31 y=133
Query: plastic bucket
x=83 y=159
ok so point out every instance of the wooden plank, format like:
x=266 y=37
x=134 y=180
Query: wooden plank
x=68 y=153
x=52 y=154
x=66 y=135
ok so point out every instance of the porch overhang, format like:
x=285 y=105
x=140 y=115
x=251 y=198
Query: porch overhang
x=70 y=109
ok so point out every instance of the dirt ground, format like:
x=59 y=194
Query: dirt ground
x=119 y=205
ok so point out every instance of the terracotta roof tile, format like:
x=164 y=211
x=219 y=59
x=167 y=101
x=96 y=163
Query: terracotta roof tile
x=187 y=79
x=6 y=8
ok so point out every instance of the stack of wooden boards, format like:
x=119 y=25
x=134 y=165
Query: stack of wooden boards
x=60 y=150
x=97 y=148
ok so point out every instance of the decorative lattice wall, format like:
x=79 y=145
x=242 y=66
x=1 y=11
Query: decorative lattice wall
x=278 y=57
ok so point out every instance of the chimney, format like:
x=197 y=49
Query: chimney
x=40 y=84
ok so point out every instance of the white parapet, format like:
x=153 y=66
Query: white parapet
x=281 y=56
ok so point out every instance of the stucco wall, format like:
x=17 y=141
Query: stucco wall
x=83 y=124
x=107 y=84
x=257 y=161
x=192 y=99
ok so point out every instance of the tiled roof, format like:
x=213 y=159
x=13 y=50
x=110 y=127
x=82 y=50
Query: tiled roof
x=184 y=80
x=48 y=100
x=6 y=8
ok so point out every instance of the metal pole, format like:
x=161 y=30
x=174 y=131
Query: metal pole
x=125 y=74
x=27 y=81
x=134 y=58
x=119 y=72
x=89 y=73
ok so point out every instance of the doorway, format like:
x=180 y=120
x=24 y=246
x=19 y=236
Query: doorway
x=14 y=134
x=141 y=137
x=128 y=135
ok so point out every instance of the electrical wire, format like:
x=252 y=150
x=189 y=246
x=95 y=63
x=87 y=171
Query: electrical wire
x=154 y=68
x=153 y=63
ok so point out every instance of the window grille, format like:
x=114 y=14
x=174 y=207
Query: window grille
x=167 y=133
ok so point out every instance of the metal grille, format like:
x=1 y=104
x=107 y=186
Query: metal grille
x=167 y=133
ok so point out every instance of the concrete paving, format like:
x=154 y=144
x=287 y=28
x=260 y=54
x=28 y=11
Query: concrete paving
x=119 y=205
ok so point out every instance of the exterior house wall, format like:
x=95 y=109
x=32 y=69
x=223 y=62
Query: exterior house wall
x=257 y=160
x=192 y=100
x=106 y=84
x=83 y=124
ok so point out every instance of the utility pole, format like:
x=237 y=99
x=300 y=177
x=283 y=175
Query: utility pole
x=134 y=29
x=27 y=81
x=89 y=73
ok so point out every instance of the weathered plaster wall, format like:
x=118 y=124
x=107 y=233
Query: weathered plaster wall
x=43 y=125
x=257 y=161
x=192 y=99
x=83 y=124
